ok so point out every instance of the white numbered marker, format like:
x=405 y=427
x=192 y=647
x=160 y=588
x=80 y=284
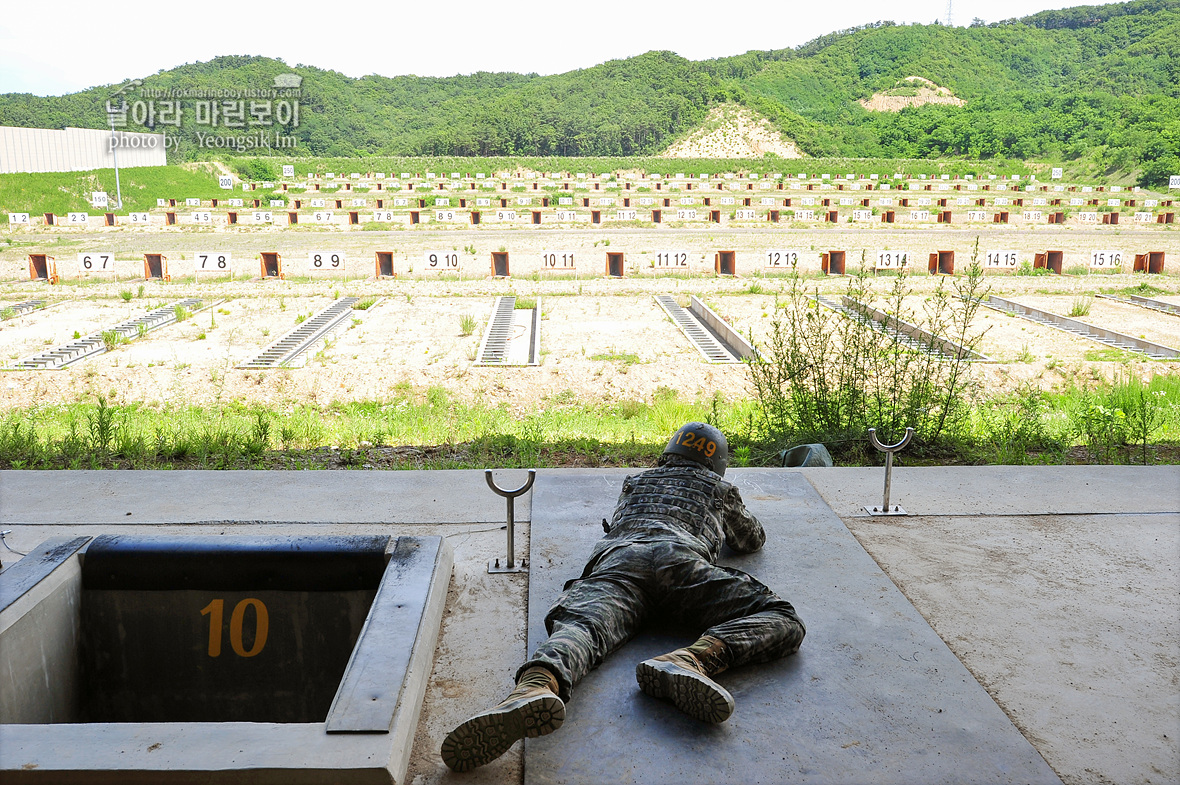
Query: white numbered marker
x=441 y=261
x=1106 y=260
x=1001 y=259
x=892 y=260
x=225 y=182
x=139 y=219
x=77 y=218
x=202 y=217
x=96 y=263
x=671 y=260
x=558 y=260
x=18 y=218
x=324 y=260
x=782 y=258
x=213 y=262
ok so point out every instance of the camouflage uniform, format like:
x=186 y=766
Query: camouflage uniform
x=658 y=560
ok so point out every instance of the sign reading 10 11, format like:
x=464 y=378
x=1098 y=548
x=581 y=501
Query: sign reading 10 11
x=558 y=260
x=213 y=262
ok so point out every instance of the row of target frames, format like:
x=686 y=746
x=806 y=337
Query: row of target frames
x=615 y=264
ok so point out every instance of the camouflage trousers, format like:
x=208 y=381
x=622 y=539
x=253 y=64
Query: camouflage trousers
x=624 y=587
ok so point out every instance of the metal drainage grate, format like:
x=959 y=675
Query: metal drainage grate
x=1099 y=334
x=707 y=342
x=20 y=309
x=70 y=353
x=913 y=335
x=859 y=316
x=494 y=348
x=1146 y=302
x=303 y=337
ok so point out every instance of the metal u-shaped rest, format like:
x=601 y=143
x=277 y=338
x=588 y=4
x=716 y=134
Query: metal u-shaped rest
x=509 y=565
x=888 y=449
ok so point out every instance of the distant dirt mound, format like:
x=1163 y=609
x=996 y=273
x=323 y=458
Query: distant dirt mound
x=911 y=91
x=732 y=131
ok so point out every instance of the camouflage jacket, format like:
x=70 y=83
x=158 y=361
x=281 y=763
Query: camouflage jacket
x=682 y=500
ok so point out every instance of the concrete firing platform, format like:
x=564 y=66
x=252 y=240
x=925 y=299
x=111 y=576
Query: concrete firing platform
x=873 y=694
x=1057 y=587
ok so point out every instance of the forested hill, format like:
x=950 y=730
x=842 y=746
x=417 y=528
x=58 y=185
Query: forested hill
x=1098 y=83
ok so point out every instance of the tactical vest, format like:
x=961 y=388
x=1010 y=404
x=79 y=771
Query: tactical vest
x=673 y=500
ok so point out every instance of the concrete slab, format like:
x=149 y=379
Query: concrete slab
x=1003 y=490
x=1072 y=624
x=244 y=497
x=874 y=694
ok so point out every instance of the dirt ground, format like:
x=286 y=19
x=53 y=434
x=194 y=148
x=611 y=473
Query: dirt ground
x=602 y=338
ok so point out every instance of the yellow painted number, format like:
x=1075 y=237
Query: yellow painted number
x=215 y=610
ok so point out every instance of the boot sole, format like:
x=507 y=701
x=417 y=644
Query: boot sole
x=487 y=736
x=697 y=696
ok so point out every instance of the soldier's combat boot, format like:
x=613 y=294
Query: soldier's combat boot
x=682 y=677
x=532 y=709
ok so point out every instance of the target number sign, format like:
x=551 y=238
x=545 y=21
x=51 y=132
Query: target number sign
x=1106 y=260
x=671 y=259
x=325 y=260
x=96 y=262
x=781 y=258
x=892 y=260
x=1001 y=259
x=558 y=260
x=441 y=261
x=213 y=262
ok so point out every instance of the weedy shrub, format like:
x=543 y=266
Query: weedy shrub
x=466 y=324
x=826 y=376
x=1081 y=305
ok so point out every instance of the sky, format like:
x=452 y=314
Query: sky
x=82 y=44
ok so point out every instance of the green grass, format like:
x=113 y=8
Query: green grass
x=626 y=358
x=1100 y=423
x=63 y=192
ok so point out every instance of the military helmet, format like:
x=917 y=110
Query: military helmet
x=702 y=443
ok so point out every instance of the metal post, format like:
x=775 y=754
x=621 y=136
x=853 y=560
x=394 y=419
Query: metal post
x=510 y=565
x=888 y=449
x=115 y=153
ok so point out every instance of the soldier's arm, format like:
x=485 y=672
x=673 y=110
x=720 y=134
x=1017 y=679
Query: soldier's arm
x=743 y=532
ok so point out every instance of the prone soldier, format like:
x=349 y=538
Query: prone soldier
x=658 y=559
